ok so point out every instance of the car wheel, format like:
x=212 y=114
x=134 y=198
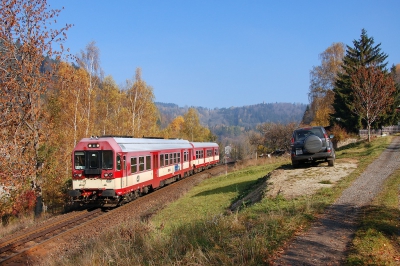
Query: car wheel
x=313 y=144
x=331 y=162
x=295 y=164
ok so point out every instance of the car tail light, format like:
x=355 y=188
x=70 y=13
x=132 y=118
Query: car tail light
x=292 y=140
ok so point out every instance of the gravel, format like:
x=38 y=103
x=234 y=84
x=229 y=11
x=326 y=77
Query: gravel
x=325 y=243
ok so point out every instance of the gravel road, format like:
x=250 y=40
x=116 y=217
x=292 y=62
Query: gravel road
x=325 y=243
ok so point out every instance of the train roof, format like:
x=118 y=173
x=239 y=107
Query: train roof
x=204 y=144
x=144 y=144
x=129 y=144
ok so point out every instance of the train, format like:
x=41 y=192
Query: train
x=109 y=171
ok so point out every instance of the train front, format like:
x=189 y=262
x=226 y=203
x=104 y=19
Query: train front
x=95 y=165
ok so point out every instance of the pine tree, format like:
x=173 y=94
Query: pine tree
x=363 y=54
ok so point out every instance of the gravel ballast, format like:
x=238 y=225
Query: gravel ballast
x=325 y=243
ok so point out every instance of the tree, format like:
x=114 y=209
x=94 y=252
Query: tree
x=174 y=129
x=373 y=94
x=109 y=107
x=89 y=60
x=27 y=36
x=142 y=109
x=397 y=73
x=191 y=126
x=363 y=54
x=273 y=136
x=322 y=80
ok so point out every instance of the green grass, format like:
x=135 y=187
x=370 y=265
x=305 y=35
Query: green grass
x=199 y=229
x=377 y=240
x=212 y=197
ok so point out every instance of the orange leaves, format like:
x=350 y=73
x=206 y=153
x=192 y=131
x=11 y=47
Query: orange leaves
x=373 y=92
x=25 y=80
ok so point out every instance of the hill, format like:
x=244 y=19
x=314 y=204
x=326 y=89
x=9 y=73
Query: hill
x=247 y=117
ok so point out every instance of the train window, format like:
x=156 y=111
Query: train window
x=171 y=158
x=107 y=160
x=179 y=157
x=202 y=154
x=175 y=157
x=93 y=160
x=185 y=156
x=148 y=162
x=133 y=165
x=118 y=162
x=162 y=160
x=79 y=160
x=141 y=163
x=216 y=152
x=166 y=159
x=209 y=153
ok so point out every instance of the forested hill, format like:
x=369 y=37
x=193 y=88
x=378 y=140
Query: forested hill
x=245 y=116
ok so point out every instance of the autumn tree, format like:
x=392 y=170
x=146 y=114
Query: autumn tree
x=89 y=60
x=142 y=109
x=363 y=54
x=175 y=128
x=27 y=37
x=273 y=136
x=192 y=126
x=109 y=108
x=397 y=73
x=322 y=80
x=373 y=94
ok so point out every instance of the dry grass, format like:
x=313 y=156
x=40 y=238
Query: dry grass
x=16 y=224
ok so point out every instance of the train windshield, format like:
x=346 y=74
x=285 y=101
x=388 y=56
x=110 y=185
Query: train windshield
x=107 y=160
x=94 y=160
x=79 y=160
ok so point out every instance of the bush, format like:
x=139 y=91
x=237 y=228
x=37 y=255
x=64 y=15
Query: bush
x=339 y=133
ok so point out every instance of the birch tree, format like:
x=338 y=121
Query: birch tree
x=89 y=59
x=322 y=82
x=141 y=106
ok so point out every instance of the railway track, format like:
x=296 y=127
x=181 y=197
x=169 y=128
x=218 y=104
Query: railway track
x=24 y=241
x=30 y=244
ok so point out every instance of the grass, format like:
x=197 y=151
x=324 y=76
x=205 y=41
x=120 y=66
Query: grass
x=377 y=241
x=199 y=229
x=15 y=225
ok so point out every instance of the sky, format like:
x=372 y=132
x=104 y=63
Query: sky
x=219 y=53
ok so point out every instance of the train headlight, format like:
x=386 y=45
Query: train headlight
x=77 y=175
x=93 y=145
x=108 y=174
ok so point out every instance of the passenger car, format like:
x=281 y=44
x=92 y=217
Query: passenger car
x=311 y=144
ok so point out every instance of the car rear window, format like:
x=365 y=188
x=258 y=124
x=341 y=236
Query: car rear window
x=302 y=134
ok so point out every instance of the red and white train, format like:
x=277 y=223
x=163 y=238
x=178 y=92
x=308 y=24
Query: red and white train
x=111 y=170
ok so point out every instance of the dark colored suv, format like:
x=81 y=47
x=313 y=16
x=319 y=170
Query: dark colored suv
x=311 y=144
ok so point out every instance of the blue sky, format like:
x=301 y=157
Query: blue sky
x=224 y=53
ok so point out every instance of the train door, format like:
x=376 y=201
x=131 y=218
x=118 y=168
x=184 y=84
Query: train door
x=190 y=158
x=124 y=175
x=155 y=165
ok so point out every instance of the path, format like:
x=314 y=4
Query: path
x=325 y=243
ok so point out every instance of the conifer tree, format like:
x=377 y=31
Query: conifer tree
x=363 y=54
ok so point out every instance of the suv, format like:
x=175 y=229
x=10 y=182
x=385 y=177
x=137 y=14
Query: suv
x=311 y=144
